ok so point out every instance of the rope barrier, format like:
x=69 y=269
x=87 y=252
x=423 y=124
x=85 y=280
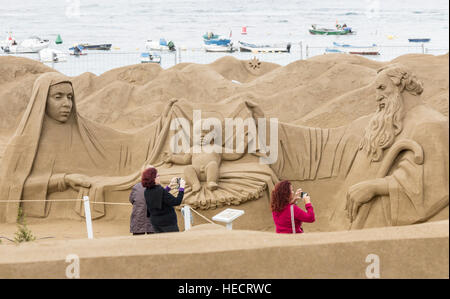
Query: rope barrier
x=65 y=200
x=42 y=200
x=202 y=216
x=113 y=203
x=93 y=202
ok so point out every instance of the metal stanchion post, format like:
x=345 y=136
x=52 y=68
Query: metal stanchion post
x=87 y=214
x=187 y=217
x=301 y=50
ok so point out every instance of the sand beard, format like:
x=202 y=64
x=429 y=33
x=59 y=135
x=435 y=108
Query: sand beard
x=383 y=127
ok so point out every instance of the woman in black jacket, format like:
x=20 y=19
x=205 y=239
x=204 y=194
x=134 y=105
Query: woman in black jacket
x=160 y=202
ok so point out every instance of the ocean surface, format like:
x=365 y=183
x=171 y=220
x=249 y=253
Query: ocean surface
x=128 y=24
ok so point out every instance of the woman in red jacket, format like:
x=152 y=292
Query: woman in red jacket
x=285 y=212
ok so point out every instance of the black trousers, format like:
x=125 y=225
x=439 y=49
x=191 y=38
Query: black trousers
x=166 y=229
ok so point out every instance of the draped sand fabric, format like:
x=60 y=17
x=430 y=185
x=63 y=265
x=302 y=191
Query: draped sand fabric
x=42 y=147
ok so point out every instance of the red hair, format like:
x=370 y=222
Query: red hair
x=148 y=177
x=281 y=196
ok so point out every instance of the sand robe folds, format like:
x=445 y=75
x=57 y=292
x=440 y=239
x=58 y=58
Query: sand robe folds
x=43 y=149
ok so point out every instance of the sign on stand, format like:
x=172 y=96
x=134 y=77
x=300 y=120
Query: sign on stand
x=228 y=216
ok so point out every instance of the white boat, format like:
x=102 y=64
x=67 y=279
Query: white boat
x=30 y=45
x=161 y=45
x=52 y=55
x=247 y=47
x=216 y=48
x=148 y=57
x=352 y=49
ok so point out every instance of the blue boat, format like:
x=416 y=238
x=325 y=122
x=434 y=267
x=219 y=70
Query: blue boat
x=77 y=50
x=351 y=49
x=419 y=40
x=352 y=46
x=104 y=47
x=150 y=57
x=213 y=39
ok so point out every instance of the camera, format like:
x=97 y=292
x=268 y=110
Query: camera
x=303 y=194
x=178 y=182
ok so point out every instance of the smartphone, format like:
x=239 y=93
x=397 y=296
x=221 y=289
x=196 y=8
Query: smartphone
x=303 y=194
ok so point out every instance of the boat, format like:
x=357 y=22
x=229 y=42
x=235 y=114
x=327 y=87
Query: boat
x=161 y=45
x=215 y=48
x=30 y=45
x=211 y=39
x=94 y=47
x=104 y=47
x=149 y=57
x=344 y=30
x=352 y=49
x=247 y=47
x=52 y=55
x=77 y=50
x=419 y=40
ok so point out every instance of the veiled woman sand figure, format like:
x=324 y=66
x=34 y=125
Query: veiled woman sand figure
x=55 y=150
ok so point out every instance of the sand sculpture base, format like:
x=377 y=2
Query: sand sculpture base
x=210 y=251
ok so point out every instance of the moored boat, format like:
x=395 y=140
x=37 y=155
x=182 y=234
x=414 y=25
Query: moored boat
x=77 y=50
x=104 y=47
x=211 y=39
x=247 y=47
x=327 y=31
x=352 y=49
x=33 y=44
x=52 y=55
x=419 y=40
x=215 y=48
x=149 y=57
x=161 y=45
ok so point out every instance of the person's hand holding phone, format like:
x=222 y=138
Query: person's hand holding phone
x=182 y=183
x=306 y=198
x=296 y=195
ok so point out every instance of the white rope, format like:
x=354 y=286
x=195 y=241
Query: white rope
x=202 y=216
x=65 y=200
x=112 y=203
x=41 y=200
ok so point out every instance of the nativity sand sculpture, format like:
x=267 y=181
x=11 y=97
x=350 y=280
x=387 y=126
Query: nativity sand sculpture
x=385 y=169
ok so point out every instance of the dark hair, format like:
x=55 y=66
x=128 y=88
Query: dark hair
x=281 y=195
x=148 y=177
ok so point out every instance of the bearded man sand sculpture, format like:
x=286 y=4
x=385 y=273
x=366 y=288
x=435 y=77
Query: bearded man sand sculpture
x=393 y=172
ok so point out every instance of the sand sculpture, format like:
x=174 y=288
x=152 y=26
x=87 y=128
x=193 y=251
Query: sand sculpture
x=60 y=152
x=55 y=150
x=203 y=166
x=389 y=168
x=379 y=170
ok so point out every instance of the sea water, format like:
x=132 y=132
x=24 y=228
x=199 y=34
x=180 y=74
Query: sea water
x=128 y=24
